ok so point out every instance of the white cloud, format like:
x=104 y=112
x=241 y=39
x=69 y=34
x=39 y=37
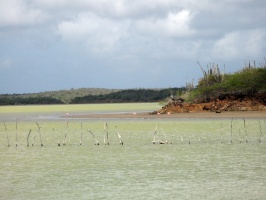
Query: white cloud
x=174 y=24
x=240 y=44
x=100 y=34
x=131 y=36
x=17 y=13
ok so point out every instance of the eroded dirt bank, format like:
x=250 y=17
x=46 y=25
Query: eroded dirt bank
x=222 y=104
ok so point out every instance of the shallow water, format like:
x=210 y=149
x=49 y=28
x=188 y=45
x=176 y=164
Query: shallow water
x=196 y=171
x=203 y=169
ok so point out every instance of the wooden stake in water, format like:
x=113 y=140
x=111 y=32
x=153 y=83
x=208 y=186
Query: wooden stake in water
x=58 y=143
x=28 y=144
x=119 y=136
x=39 y=131
x=97 y=143
x=182 y=139
x=55 y=133
x=104 y=134
x=240 y=140
x=260 y=132
x=81 y=133
x=245 y=130
x=166 y=142
x=34 y=139
x=64 y=142
x=221 y=132
x=231 y=130
x=7 y=137
x=154 y=134
x=105 y=130
x=16 y=132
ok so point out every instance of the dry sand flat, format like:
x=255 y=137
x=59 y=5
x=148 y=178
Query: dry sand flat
x=234 y=114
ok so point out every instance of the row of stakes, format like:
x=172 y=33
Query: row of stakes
x=106 y=139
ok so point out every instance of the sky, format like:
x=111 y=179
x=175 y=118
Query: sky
x=48 y=45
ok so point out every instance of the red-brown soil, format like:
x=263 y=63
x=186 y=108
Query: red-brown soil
x=221 y=104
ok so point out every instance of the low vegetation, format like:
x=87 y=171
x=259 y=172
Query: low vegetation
x=244 y=90
x=248 y=81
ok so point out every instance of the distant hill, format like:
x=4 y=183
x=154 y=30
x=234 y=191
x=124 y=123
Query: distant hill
x=131 y=95
x=88 y=95
x=55 y=97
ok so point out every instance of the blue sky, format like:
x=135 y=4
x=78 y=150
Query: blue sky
x=50 y=45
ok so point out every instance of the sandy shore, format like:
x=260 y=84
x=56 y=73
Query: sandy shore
x=244 y=114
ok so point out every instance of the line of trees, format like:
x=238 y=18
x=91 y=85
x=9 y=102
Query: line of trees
x=27 y=101
x=130 y=95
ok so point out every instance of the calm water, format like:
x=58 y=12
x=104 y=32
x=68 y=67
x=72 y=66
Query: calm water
x=203 y=169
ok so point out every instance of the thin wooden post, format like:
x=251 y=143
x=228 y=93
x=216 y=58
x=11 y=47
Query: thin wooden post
x=28 y=144
x=7 y=137
x=39 y=131
x=221 y=132
x=165 y=138
x=260 y=132
x=16 y=132
x=64 y=142
x=240 y=140
x=231 y=130
x=119 y=136
x=81 y=133
x=245 y=130
x=154 y=134
x=96 y=141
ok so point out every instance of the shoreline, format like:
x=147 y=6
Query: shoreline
x=228 y=114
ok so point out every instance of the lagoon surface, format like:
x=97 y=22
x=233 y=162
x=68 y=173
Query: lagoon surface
x=200 y=163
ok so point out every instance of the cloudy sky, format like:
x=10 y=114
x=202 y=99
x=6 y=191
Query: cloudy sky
x=51 y=45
